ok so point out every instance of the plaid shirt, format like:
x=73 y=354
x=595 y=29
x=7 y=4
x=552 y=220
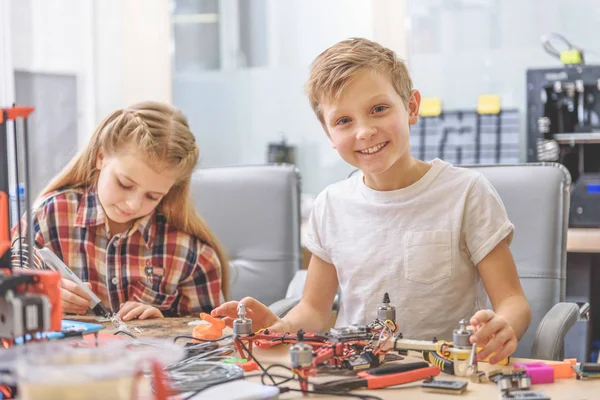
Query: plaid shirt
x=152 y=262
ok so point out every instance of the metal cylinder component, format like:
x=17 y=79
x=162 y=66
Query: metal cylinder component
x=505 y=384
x=543 y=124
x=524 y=382
x=386 y=311
x=242 y=326
x=301 y=355
x=460 y=336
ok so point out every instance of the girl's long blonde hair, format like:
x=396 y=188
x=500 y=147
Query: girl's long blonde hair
x=162 y=134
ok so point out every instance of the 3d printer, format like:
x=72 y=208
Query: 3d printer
x=29 y=299
x=563 y=124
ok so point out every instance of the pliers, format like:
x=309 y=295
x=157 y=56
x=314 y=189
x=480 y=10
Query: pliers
x=381 y=377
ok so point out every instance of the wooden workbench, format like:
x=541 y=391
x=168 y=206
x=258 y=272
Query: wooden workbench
x=566 y=389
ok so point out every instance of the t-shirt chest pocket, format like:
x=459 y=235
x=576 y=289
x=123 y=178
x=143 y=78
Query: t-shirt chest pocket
x=427 y=256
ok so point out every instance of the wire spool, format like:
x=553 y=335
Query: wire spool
x=198 y=375
x=23 y=257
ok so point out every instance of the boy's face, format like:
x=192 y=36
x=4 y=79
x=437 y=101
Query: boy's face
x=369 y=125
x=128 y=188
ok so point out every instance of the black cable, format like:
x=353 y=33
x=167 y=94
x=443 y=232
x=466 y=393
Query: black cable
x=125 y=332
x=256 y=361
x=176 y=338
x=344 y=394
x=286 y=379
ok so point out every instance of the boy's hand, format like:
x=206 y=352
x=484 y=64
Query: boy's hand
x=132 y=310
x=262 y=317
x=73 y=298
x=493 y=333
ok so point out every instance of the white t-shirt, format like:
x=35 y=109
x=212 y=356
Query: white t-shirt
x=421 y=244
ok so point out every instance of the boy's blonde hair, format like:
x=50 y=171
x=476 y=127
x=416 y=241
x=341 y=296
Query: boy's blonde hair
x=337 y=66
x=162 y=134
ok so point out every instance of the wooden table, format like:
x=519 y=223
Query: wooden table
x=567 y=389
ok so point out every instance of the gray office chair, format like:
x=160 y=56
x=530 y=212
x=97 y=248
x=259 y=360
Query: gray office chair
x=255 y=212
x=536 y=197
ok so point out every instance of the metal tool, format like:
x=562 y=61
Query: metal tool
x=381 y=377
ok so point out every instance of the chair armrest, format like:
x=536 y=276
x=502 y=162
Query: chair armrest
x=283 y=306
x=550 y=336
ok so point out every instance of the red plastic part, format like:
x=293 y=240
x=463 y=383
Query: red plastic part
x=4 y=230
x=15 y=112
x=48 y=286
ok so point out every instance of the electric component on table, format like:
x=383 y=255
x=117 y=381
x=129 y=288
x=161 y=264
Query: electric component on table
x=242 y=326
x=301 y=354
x=444 y=387
x=386 y=312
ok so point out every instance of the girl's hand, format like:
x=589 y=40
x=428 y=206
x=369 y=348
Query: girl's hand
x=73 y=298
x=262 y=317
x=132 y=310
x=493 y=333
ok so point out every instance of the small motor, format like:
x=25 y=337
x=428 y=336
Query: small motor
x=386 y=311
x=461 y=348
x=301 y=354
x=242 y=326
x=461 y=336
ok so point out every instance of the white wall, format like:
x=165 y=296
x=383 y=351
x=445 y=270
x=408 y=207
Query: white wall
x=7 y=88
x=56 y=37
x=118 y=50
x=236 y=112
x=132 y=53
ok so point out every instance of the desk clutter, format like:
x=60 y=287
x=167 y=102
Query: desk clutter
x=84 y=362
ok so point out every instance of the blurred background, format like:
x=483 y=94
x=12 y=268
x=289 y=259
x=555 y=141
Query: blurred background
x=237 y=67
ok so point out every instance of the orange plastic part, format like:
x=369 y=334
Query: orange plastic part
x=15 y=112
x=48 y=286
x=563 y=369
x=4 y=231
x=248 y=366
x=212 y=330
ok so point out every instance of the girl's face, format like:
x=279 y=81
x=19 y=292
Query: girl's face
x=128 y=188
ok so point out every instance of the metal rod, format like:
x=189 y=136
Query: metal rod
x=18 y=194
x=27 y=186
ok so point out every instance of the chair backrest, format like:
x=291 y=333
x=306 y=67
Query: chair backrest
x=536 y=197
x=254 y=210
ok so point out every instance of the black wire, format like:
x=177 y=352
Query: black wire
x=176 y=338
x=256 y=361
x=286 y=379
x=356 y=396
x=125 y=332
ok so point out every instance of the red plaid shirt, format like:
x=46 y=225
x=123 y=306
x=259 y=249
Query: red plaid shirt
x=152 y=262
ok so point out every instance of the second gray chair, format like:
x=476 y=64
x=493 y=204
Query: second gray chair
x=255 y=212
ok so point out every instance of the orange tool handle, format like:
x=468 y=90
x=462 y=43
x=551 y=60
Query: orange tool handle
x=381 y=381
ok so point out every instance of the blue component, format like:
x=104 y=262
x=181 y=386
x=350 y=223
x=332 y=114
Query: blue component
x=593 y=188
